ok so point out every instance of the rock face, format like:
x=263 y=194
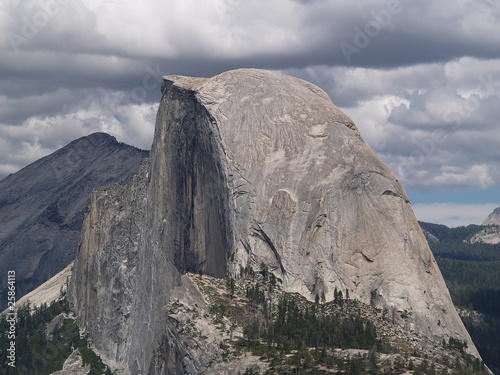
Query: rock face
x=493 y=218
x=250 y=167
x=189 y=307
x=42 y=206
x=74 y=365
x=123 y=273
x=430 y=237
x=490 y=234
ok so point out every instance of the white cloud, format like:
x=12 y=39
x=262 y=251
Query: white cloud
x=39 y=136
x=6 y=169
x=453 y=214
x=476 y=176
x=138 y=124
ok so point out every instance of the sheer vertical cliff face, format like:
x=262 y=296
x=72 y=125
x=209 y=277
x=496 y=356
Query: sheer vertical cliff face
x=248 y=167
x=189 y=183
x=312 y=200
x=138 y=239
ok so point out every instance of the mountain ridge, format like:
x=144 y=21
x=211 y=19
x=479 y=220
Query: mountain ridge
x=493 y=218
x=472 y=273
x=42 y=205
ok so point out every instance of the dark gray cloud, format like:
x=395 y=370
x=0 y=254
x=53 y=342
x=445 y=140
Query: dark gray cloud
x=420 y=78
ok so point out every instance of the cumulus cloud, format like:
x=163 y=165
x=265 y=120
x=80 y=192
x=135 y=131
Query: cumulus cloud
x=100 y=111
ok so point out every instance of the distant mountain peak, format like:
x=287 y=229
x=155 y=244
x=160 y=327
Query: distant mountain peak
x=493 y=218
x=42 y=206
x=101 y=136
x=96 y=139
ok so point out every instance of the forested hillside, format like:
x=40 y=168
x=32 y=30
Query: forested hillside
x=472 y=274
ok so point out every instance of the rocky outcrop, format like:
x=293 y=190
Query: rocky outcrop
x=250 y=167
x=493 y=218
x=490 y=234
x=73 y=365
x=206 y=335
x=430 y=237
x=42 y=206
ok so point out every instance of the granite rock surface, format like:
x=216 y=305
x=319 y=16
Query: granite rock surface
x=250 y=167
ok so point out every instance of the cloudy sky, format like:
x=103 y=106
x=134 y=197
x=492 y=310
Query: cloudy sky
x=421 y=79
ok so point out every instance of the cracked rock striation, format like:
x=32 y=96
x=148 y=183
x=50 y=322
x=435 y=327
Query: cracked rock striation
x=250 y=167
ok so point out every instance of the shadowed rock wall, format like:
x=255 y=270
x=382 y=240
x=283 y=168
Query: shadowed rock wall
x=191 y=161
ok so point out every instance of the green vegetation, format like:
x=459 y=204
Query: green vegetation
x=97 y=367
x=302 y=337
x=473 y=285
x=472 y=275
x=451 y=235
x=299 y=336
x=294 y=328
x=34 y=353
x=296 y=336
x=38 y=353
